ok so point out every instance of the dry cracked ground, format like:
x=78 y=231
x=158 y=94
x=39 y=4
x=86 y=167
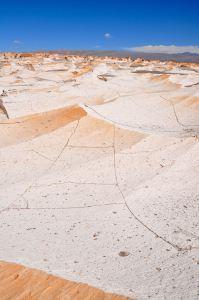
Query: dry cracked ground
x=99 y=177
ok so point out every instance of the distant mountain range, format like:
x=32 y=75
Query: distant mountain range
x=180 y=57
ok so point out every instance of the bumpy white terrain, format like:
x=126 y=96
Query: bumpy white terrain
x=100 y=171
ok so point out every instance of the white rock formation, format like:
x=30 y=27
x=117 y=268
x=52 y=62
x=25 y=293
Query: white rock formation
x=100 y=178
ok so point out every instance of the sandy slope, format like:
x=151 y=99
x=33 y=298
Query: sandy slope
x=100 y=172
x=18 y=282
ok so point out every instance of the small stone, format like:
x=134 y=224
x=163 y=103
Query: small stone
x=123 y=253
x=16 y=276
x=4 y=94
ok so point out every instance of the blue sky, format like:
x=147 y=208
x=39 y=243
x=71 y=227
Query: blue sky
x=32 y=25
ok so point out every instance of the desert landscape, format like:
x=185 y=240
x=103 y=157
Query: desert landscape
x=99 y=177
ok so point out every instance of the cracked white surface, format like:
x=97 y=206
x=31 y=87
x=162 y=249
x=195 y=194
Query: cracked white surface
x=117 y=171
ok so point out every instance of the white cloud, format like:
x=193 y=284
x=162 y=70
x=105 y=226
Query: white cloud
x=107 y=35
x=165 y=49
x=17 y=42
